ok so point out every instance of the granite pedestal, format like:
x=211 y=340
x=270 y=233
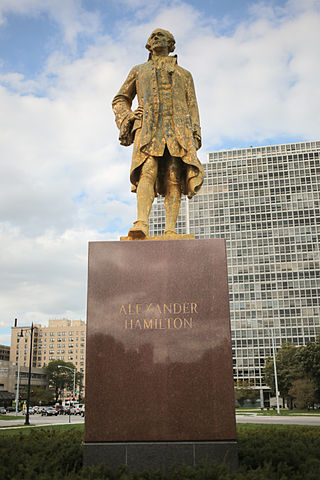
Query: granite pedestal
x=159 y=382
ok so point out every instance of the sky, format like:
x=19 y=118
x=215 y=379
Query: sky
x=64 y=176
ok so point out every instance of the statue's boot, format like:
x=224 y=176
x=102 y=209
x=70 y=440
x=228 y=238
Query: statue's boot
x=171 y=234
x=145 y=196
x=139 y=231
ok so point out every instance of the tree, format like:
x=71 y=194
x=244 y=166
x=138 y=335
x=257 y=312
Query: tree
x=288 y=370
x=40 y=395
x=60 y=378
x=243 y=391
x=309 y=357
x=303 y=392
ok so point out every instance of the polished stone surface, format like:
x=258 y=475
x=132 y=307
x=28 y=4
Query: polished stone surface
x=159 y=365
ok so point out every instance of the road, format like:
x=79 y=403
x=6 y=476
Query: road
x=283 y=420
x=38 y=420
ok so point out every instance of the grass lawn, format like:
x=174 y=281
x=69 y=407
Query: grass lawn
x=241 y=427
x=28 y=429
x=11 y=417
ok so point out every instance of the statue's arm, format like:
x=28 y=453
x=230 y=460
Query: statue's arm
x=121 y=106
x=193 y=110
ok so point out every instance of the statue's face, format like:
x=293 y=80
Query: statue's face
x=158 y=40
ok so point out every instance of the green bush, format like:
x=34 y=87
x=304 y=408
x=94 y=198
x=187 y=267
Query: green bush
x=265 y=453
x=40 y=455
x=289 y=452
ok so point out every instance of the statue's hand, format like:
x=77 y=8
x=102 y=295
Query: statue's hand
x=132 y=116
x=126 y=136
x=138 y=112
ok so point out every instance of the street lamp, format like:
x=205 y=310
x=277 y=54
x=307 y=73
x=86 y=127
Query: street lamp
x=29 y=376
x=18 y=376
x=275 y=371
x=74 y=370
x=27 y=422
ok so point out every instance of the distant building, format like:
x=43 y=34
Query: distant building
x=4 y=368
x=265 y=202
x=9 y=376
x=63 y=339
x=4 y=352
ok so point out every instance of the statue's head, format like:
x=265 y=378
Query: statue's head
x=161 y=35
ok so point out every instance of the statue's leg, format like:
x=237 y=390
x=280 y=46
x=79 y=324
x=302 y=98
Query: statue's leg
x=145 y=197
x=173 y=193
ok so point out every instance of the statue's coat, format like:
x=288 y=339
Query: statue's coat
x=142 y=81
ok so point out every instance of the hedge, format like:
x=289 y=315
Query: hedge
x=269 y=453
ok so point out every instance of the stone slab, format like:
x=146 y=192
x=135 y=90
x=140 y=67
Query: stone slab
x=159 y=365
x=160 y=456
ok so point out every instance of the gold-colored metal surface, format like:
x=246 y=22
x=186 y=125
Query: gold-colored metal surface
x=167 y=236
x=165 y=132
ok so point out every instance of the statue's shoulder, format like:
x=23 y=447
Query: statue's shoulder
x=136 y=69
x=183 y=71
x=143 y=66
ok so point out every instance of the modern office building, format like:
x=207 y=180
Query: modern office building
x=265 y=202
x=62 y=339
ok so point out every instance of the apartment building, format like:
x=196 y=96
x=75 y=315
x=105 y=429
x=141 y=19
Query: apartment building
x=62 y=339
x=4 y=352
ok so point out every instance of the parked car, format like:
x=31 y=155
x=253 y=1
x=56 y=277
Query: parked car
x=67 y=410
x=3 y=411
x=11 y=409
x=58 y=408
x=49 y=411
x=61 y=410
x=82 y=410
x=31 y=411
x=78 y=408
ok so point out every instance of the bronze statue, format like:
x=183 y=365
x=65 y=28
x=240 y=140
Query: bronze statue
x=165 y=130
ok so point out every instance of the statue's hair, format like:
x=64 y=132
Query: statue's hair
x=168 y=34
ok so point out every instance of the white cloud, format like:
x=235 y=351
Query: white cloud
x=46 y=275
x=68 y=14
x=65 y=179
x=260 y=81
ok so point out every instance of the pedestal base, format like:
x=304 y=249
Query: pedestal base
x=160 y=455
x=159 y=363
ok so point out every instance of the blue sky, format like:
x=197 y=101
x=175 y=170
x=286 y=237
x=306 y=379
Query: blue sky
x=64 y=175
